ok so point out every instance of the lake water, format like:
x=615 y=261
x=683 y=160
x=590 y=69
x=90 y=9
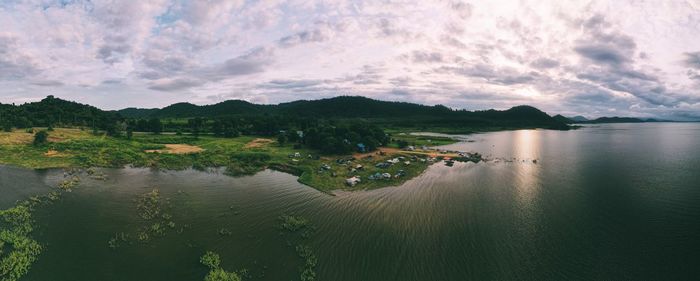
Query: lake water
x=608 y=202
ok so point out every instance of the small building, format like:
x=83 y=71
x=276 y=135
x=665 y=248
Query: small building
x=383 y=165
x=386 y=176
x=353 y=181
x=375 y=176
x=410 y=148
x=361 y=147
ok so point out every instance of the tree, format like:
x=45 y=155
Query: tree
x=196 y=125
x=155 y=126
x=129 y=132
x=7 y=127
x=41 y=137
x=282 y=139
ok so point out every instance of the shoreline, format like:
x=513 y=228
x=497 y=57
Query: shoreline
x=77 y=149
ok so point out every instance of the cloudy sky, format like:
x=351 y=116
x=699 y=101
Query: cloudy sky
x=595 y=58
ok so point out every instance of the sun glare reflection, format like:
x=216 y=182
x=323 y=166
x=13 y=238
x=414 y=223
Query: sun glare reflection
x=526 y=150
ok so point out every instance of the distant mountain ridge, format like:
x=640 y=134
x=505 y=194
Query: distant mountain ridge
x=407 y=114
x=58 y=112
x=583 y=120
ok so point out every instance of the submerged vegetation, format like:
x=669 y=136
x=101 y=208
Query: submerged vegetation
x=16 y=226
x=293 y=224
x=155 y=222
x=18 y=250
x=216 y=273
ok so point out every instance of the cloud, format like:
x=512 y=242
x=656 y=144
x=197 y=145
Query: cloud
x=562 y=56
x=15 y=63
x=426 y=57
x=176 y=84
x=463 y=10
x=490 y=74
x=47 y=83
x=602 y=54
x=291 y=84
x=307 y=36
x=252 y=62
x=692 y=60
x=543 y=63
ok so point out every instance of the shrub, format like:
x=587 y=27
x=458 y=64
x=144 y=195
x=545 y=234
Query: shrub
x=41 y=137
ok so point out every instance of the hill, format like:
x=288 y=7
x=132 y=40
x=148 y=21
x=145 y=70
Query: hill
x=257 y=118
x=603 y=120
x=52 y=111
x=563 y=119
x=401 y=114
x=578 y=118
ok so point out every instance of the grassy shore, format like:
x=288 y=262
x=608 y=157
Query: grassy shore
x=245 y=155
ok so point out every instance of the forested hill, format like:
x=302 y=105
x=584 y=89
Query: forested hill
x=57 y=112
x=338 y=107
x=602 y=120
x=344 y=107
x=53 y=111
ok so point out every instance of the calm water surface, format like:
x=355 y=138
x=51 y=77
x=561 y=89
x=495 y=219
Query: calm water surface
x=608 y=202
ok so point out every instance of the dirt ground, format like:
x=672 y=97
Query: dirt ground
x=54 y=153
x=258 y=143
x=390 y=151
x=178 y=149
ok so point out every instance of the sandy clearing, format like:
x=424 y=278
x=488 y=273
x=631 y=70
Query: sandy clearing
x=177 y=149
x=258 y=143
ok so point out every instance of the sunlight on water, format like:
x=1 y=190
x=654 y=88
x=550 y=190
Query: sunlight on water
x=526 y=145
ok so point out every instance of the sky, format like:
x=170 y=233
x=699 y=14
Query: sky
x=592 y=58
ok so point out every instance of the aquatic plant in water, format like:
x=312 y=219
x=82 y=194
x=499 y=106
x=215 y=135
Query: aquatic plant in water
x=68 y=184
x=216 y=273
x=225 y=232
x=307 y=271
x=149 y=205
x=293 y=223
x=15 y=227
x=118 y=239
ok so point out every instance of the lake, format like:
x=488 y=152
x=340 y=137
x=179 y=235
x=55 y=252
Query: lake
x=605 y=202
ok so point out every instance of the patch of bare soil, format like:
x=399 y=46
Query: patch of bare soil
x=258 y=143
x=178 y=149
x=52 y=153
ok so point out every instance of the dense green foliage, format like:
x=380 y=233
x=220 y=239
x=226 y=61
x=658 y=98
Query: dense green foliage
x=54 y=112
